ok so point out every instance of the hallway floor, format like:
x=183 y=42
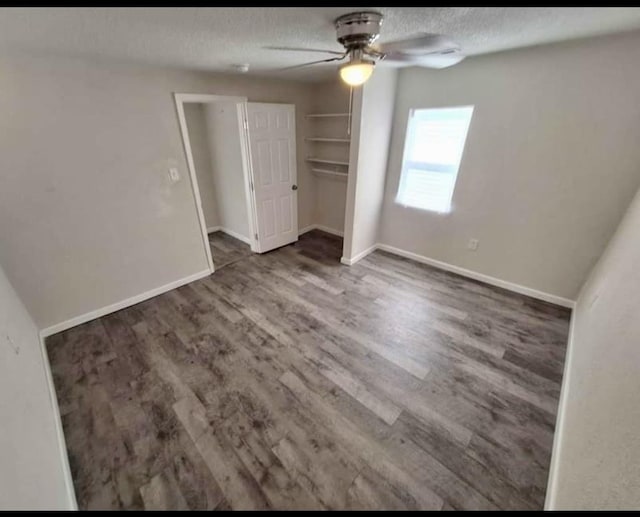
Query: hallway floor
x=226 y=249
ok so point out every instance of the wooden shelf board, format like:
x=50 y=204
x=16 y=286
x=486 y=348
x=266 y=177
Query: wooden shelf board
x=323 y=139
x=321 y=115
x=329 y=173
x=322 y=160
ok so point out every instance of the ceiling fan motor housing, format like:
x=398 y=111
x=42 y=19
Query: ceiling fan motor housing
x=358 y=30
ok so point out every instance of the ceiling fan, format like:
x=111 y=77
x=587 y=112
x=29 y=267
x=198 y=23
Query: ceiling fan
x=358 y=32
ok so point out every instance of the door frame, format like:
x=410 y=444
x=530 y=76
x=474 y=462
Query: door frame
x=241 y=106
x=249 y=181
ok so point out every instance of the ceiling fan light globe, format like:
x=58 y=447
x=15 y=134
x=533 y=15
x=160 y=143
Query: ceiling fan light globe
x=355 y=74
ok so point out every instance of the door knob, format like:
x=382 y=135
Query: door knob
x=294 y=187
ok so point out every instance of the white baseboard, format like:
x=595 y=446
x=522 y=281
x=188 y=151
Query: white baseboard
x=510 y=286
x=83 y=318
x=62 y=445
x=306 y=229
x=359 y=256
x=322 y=228
x=236 y=235
x=233 y=234
x=329 y=230
x=550 y=502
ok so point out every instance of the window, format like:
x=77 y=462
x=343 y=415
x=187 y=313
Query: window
x=432 y=153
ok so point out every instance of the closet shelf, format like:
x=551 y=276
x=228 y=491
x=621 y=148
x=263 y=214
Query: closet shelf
x=322 y=115
x=331 y=162
x=329 y=173
x=323 y=139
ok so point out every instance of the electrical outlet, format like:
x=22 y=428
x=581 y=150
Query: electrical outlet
x=174 y=175
x=473 y=244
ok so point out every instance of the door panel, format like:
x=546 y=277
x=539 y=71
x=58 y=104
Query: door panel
x=285 y=210
x=269 y=217
x=272 y=145
x=283 y=162
x=264 y=165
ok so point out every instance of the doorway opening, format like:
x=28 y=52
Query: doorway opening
x=242 y=163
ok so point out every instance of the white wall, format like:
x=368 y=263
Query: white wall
x=32 y=461
x=88 y=217
x=226 y=165
x=331 y=195
x=550 y=164
x=373 y=118
x=194 y=114
x=596 y=457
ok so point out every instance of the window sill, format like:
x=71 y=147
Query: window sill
x=425 y=210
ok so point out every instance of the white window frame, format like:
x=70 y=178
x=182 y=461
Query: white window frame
x=407 y=164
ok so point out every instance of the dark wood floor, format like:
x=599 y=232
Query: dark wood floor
x=287 y=380
x=226 y=250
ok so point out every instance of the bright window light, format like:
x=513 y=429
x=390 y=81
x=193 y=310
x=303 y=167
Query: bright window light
x=432 y=153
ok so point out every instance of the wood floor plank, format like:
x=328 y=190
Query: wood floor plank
x=289 y=381
x=497 y=489
x=241 y=490
x=328 y=486
x=197 y=485
x=163 y=493
x=370 y=492
x=278 y=485
x=374 y=455
x=386 y=410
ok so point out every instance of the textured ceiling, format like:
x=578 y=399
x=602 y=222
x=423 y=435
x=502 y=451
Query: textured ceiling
x=216 y=38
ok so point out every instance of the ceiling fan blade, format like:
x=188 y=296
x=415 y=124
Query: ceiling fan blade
x=297 y=49
x=421 y=45
x=430 y=60
x=313 y=63
x=438 y=60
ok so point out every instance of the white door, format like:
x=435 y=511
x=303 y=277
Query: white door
x=272 y=145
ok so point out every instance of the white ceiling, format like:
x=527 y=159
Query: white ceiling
x=216 y=38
